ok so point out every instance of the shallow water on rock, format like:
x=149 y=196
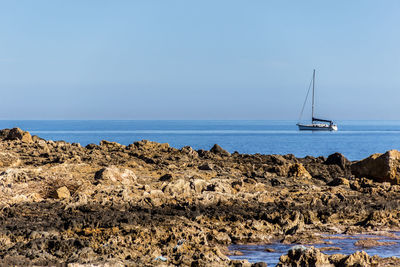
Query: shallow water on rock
x=346 y=243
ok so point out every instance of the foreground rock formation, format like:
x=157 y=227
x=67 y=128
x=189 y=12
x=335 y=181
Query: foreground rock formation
x=302 y=256
x=150 y=204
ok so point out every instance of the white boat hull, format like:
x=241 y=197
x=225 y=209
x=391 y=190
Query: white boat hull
x=317 y=127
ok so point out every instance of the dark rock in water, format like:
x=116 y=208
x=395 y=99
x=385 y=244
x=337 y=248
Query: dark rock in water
x=379 y=167
x=259 y=264
x=338 y=159
x=216 y=149
x=370 y=242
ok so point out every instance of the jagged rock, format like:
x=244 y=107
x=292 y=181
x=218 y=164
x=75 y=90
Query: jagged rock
x=149 y=145
x=125 y=214
x=338 y=159
x=206 y=167
x=9 y=159
x=303 y=256
x=189 y=151
x=110 y=145
x=198 y=185
x=359 y=258
x=379 y=167
x=298 y=170
x=216 y=149
x=63 y=193
x=16 y=134
x=179 y=188
x=115 y=175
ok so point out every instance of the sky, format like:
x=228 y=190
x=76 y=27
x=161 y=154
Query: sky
x=225 y=59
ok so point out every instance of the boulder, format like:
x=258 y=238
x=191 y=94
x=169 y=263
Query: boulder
x=359 y=258
x=379 y=167
x=338 y=159
x=216 y=149
x=16 y=134
x=303 y=256
x=115 y=175
x=298 y=170
x=63 y=193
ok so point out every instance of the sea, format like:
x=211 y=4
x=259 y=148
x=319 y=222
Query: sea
x=355 y=139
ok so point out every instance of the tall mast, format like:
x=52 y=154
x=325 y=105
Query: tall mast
x=313 y=85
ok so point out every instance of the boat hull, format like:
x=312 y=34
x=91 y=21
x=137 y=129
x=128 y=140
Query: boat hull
x=317 y=127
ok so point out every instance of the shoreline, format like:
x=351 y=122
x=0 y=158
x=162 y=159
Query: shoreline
x=146 y=202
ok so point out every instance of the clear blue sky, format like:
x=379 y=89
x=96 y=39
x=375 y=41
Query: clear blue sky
x=198 y=59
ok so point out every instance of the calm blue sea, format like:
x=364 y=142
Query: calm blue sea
x=355 y=139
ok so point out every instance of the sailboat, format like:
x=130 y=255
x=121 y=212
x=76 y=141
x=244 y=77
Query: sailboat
x=316 y=124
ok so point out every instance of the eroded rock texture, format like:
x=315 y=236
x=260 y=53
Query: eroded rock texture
x=150 y=204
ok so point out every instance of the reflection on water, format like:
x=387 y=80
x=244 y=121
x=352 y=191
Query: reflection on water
x=257 y=253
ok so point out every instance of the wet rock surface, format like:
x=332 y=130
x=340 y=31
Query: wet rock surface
x=150 y=204
x=303 y=256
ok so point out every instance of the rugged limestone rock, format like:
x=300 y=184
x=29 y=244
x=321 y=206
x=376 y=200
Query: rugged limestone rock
x=9 y=159
x=303 y=256
x=298 y=170
x=151 y=204
x=216 y=149
x=63 y=193
x=338 y=159
x=113 y=174
x=379 y=167
x=16 y=134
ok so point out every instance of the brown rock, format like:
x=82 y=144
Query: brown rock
x=17 y=134
x=63 y=193
x=9 y=159
x=379 y=167
x=370 y=242
x=216 y=149
x=115 y=175
x=298 y=170
x=338 y=159
x=359 y=258
x=303 y=256
x=110 y=145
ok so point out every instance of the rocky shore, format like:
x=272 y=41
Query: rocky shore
x=148 y=204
